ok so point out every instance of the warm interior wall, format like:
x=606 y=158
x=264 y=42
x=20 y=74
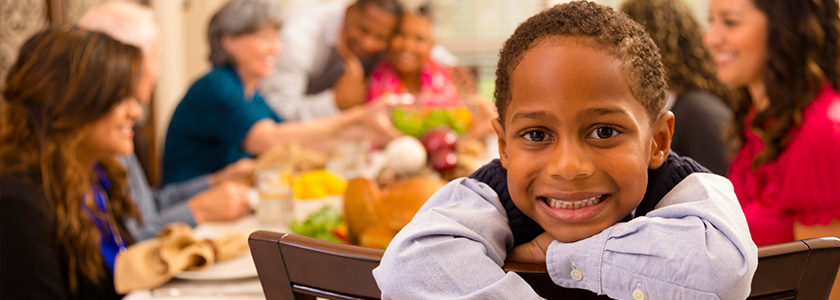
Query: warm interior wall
x=196 y=18
x=184 y=57
x=172 y=83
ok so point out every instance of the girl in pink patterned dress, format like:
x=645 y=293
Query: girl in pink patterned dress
x=408 y=69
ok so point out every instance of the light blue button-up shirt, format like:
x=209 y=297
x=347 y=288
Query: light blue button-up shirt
x=694 y=245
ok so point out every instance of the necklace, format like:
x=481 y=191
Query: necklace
x=102 y=202
x=112 y=223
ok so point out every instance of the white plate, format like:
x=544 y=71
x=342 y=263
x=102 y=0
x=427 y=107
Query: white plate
x=234 y=268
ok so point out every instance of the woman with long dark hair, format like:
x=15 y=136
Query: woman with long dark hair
x=783 y=57
x=70 y=108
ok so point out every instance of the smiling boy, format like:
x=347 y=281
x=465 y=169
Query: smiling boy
x=586 y=182
x=577 y=153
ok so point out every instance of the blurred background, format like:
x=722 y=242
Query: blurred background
x=473 y=30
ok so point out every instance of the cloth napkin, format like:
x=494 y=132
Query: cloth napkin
x=152 y=262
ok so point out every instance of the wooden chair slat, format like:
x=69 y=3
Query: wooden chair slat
x=296 y=267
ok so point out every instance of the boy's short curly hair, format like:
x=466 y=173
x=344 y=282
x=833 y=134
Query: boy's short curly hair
x=611 y=31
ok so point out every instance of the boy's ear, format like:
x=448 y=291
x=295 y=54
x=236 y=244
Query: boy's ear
x=500 y=133
x=663 y=131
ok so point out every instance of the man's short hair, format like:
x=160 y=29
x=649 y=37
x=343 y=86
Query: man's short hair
x=390 y=6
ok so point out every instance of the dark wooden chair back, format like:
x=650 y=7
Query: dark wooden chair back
x=803 y=269
x=297 y=267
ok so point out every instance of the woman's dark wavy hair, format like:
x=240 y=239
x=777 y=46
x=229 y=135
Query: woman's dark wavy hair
x=610 y=31
x=803 y=51
x=672 y=25
x=64 y=80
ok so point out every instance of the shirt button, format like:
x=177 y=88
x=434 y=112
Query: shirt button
x=638 y=294
x=577 y=275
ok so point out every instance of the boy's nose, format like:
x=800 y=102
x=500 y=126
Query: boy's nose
x=569 y=162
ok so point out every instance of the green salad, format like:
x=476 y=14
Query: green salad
x=320 y=225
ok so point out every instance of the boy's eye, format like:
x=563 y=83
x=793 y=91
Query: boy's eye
x=603 y=133
x=535 y=136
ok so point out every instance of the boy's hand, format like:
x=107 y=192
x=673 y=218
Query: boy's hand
x=533 y=251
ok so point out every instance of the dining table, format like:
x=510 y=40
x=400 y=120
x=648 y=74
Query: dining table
x=236 y=278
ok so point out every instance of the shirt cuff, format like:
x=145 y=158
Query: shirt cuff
x=578 y=265
x=606 y=277
x=196 y=185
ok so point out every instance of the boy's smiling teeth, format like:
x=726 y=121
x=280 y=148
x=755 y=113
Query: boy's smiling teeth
x=554 y=203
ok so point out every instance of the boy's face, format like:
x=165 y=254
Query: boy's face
x=576 y=143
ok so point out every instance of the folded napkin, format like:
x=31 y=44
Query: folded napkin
x=151 y=263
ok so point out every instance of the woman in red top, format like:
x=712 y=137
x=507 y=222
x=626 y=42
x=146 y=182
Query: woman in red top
x=783 y=57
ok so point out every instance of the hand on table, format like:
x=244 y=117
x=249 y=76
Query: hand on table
x=225 y=202
x=240 y=170
x=533 y=251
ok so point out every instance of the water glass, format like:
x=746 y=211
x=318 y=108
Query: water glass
x=276 y=205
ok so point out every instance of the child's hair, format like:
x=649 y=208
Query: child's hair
x=611 y=31
x=420 y=7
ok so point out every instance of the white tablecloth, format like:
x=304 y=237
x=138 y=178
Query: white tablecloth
x=240 y=288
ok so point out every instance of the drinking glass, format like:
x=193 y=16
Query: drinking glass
x=276 y=205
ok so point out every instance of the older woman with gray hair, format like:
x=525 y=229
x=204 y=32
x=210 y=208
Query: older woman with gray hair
x=212 y=197
x=223 y=116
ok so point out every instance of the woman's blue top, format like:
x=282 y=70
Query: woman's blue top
x=209 y=125
x=111 y=243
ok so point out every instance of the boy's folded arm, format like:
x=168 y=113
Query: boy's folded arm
x=453 y=248
x=694 y=245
